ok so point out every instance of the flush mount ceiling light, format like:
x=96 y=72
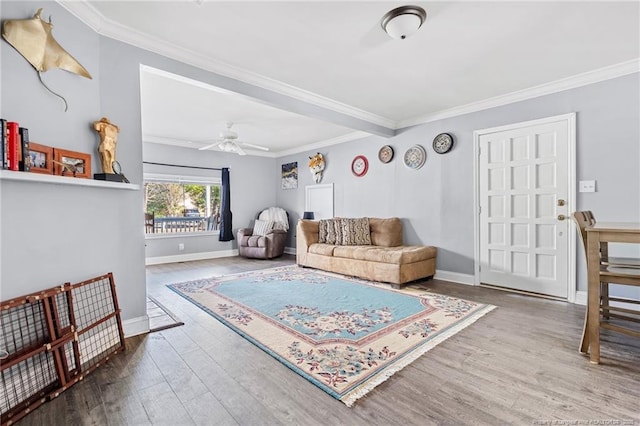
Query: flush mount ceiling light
x=404 y=21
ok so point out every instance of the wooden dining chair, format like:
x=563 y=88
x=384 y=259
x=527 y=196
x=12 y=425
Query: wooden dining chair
x=613 y=270
x=149 y=223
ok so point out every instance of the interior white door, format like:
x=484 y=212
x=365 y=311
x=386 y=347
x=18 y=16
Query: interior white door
x=523 y=193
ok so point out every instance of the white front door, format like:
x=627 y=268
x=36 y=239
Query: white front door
x=524 y=191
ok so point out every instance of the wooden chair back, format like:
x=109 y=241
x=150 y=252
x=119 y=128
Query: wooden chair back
x=149 y=222
x=582 y=220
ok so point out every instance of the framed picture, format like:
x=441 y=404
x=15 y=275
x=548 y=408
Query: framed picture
x=71 y=163
x=290 y=175
x=41 y=158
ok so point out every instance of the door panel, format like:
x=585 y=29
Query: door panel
x=523 y=175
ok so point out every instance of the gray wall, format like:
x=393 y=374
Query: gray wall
x=436 y=202
x=251 y=191
x=56 y=233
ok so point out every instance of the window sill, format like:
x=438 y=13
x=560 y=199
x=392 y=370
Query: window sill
x=180 y=235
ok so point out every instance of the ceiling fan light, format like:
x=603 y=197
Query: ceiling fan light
x=227 y=146
x=404 y=21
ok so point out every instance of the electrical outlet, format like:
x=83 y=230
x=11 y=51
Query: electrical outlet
x=587 y=186
x=180 y=246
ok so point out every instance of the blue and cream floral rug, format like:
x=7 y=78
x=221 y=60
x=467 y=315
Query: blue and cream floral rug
x=344 y=335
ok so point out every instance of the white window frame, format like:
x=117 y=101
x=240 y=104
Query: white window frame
x=180 y=179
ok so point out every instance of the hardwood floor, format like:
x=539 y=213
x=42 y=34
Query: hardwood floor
x=517 y=365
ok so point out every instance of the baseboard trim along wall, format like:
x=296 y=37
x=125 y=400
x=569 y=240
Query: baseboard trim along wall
x=290 y=250
x=581 y=299
x=190 y=256
x=134 y=326
x=454 y=277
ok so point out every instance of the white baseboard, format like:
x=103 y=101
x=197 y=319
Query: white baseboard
x=290 y=250
x=581 y=299
x=135 y=326
x=190 y=256
x=455 y=277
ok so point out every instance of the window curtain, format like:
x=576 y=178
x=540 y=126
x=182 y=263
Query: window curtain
x=226 y=231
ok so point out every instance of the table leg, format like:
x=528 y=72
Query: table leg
x=593 y=291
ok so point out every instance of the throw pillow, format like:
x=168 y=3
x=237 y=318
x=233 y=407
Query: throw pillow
x=337 y=230
x=322 y=231
x=262 y=227
x=356 y=232
x=361 y=231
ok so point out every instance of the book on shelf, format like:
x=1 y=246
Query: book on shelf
x=13 y=145
x=3 y=143
x=25 y=159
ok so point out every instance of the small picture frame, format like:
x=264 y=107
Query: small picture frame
x=71 y=163
x=41 y=158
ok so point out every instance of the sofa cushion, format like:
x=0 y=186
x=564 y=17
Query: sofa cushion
x=256 y=241
x=386 y=232
x=323 y=249
x=395 y=255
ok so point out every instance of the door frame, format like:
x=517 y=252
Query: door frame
x=570 y=121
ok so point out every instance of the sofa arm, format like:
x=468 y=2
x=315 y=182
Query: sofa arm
x=306 y=234
x=275 y=243
x=244 y=232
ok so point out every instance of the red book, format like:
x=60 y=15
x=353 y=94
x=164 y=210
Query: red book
x=13 y=145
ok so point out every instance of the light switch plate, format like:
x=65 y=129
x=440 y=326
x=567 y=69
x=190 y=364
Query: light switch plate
x=587 y=186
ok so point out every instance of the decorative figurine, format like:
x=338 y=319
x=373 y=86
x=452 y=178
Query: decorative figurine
x=108 y=141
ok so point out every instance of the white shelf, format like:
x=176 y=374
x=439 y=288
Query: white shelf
x=63 y=180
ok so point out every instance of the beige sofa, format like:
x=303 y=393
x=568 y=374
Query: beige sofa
x=386 y=259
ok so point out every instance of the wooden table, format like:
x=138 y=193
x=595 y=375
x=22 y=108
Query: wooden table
x=612 y=232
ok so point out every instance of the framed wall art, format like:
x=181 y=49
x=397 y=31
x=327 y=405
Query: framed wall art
x=41 y=158
x=290 y=175
x=71 y=163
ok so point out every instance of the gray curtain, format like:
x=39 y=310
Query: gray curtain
x=226 y=231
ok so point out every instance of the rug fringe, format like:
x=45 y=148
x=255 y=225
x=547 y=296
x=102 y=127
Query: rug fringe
x=351 y=398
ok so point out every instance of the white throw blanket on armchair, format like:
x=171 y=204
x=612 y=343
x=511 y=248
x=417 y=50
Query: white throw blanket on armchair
x=278 y=216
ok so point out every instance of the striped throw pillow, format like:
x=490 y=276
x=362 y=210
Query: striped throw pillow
x=262 y=227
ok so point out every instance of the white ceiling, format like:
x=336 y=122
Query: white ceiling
x=335 y=53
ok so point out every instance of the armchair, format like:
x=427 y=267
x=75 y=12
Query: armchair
x=268 y=237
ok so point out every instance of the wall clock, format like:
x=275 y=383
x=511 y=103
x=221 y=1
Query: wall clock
x=360 y=165
x=443 y=143
x=385 y=154
x=415 y=157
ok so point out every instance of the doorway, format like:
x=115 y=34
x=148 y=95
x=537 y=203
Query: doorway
x=525 y=193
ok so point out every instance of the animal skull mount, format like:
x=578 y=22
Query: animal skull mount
x=316 y=167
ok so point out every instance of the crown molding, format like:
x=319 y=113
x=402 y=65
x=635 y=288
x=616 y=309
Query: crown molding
x=589 y=77
x=85 y=12
x=323 y=144
x=162 y=140
x=109 y=28
x=275 y=154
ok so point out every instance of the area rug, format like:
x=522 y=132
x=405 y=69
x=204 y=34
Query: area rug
x=344 y=335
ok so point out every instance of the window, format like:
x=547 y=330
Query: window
x=176 y=204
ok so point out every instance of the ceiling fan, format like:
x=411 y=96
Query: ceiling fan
x=228 y=142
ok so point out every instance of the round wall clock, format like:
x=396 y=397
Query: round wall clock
x=415 y=157
x=443 y=143
x=360 y=165
x=385 y=154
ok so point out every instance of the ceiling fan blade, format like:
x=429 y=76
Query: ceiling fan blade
x=250 y=145
x=202 y=148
